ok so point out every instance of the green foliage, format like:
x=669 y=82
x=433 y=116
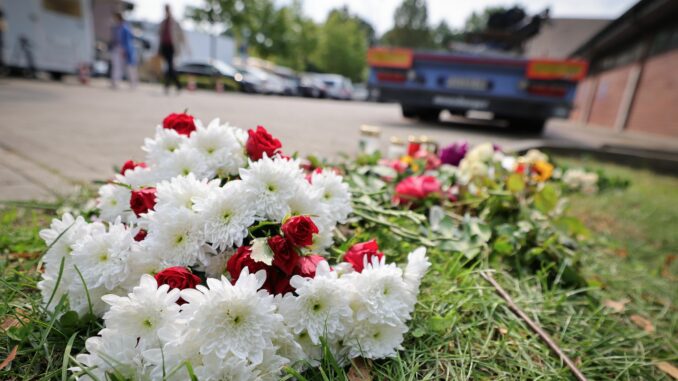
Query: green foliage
x=411 y=28
x=342 y=46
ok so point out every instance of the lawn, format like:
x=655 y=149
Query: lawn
x=622 y=326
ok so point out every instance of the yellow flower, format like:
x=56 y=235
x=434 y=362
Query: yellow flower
x=543 y=170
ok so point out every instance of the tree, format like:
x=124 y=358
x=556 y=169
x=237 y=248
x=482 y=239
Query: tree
x=477 y=22
x=410 y=27
x=342 y=46
x=443 y=35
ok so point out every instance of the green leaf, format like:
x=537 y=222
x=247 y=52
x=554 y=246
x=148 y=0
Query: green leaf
x=572 y=226
x=261 y=252
x=419 y=332
x=546 y=199
x=515 y=183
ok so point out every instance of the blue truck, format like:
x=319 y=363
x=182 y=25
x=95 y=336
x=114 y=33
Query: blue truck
x=525 y=92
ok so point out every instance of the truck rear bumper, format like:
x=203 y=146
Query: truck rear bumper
x=460 y=103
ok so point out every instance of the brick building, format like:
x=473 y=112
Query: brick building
x=633 y=75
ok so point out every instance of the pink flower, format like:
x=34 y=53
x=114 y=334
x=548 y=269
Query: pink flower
x=415 y=188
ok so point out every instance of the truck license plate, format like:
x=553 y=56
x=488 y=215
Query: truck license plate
x=464 y=83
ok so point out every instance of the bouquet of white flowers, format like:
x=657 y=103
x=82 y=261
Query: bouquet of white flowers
x=207 y=259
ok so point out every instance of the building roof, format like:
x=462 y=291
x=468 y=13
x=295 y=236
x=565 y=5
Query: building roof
x=643 y=17
x=559 y=37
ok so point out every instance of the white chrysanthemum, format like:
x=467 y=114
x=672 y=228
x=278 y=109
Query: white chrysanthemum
x=532 y=156
x=183 y=161
x=181 y=191
x=101 y=258
x=334 y=195
x=271 y=184
x=215 y=368
x=375 y=340
x=380 y=293
x=232 y=319
x=61 y=236
x=226 y=213
x=113 y=202
x=579 y=179
x=85 y=299
x=469 y=169
x=482 y=152
x=322 y=240
x=417 y=264
x=174 y=236
x=138 y=177
x=222 y=152
x=111 y=353
x=163 y=145
x=321 y=307
x=306 y=201
x=146 y=310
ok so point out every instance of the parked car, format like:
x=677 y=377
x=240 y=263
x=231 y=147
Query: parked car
x=268 y=83
x=311 y=86
x=360 y=92
x=207 y=72
x=338 y=87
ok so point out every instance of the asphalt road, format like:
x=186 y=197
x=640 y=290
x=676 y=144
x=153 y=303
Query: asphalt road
x=53 y=135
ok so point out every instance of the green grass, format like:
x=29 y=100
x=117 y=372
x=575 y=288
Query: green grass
x=461 y=329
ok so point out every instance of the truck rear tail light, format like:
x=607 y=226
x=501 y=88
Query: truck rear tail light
x=545 y=89
x=570 y=70
x=391 y=76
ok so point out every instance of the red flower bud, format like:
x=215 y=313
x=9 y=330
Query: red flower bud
x=299 y=231
x=356 y=254
x=285 y=257
x=260 y=142
x=177 y=277
x=181 y=123
x=142 y=200
x=130 y=164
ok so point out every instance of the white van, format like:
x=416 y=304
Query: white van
x=57 y=35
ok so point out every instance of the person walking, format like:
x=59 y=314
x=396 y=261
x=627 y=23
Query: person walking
x=123 y=53
x=171 y=41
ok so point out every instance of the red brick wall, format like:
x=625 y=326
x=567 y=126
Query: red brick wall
x=655 y=107
x=584 y=88
x=611 y=86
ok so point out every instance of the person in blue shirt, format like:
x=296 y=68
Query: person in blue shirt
x=122 y=51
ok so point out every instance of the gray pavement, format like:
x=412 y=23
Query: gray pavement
x=57 y=135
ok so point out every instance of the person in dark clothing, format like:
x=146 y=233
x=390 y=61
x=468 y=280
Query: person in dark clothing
x=171 y=38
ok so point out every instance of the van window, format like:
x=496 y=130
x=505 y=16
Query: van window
x=66 y=7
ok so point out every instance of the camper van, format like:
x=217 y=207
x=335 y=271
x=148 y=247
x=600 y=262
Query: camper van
x=54 y=36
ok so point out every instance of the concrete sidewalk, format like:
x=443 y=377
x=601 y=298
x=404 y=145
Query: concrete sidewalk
x=54 y=136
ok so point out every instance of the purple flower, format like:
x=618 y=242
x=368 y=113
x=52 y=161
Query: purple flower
x=453 y=153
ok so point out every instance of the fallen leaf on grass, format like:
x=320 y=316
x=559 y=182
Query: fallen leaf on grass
x=360 y=370
x=14 y=321
x=621 y=253
x=9 y=358
x=617 y=306
x=668 y=369
x=666 y=267
x=643 y=323
x=23 y=255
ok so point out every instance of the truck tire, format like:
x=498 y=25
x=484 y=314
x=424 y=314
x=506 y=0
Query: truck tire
x=408 y=112
x=429 y=115
x=528 y=125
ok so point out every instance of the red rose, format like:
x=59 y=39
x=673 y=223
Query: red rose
x=415 y=188
x=130 y=164
x=285 y=257
x=181 y=123
x=299 y=231
x=177 y=277
x=277 y=282
x=142 y=200
x=141 y=235
x=308 y=264
x=356 y=254
x=260 y=142
x=241 y=259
